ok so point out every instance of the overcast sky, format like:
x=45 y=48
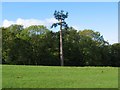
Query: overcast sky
x=98 y=16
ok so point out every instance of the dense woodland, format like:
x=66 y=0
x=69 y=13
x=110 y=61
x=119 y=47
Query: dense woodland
x=37 y=45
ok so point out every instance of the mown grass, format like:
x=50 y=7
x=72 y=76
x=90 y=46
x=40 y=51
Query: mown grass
x=15 y=76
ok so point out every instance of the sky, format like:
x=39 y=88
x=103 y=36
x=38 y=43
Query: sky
x=98 y=16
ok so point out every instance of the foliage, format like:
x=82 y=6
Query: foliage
x=60 y=16
x=36 y=45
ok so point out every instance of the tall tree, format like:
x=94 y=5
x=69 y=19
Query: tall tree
x=60 y=16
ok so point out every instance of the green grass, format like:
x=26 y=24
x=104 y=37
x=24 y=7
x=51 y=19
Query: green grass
x=59 y=77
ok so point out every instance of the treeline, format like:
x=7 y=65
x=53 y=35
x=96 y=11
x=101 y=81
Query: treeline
x=36 y=45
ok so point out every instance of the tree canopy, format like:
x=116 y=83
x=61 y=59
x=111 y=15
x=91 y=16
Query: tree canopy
x=37 y=45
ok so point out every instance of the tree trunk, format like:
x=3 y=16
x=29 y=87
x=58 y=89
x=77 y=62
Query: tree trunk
x=61 y=48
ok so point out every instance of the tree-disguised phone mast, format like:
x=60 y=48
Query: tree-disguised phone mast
x=60 y=16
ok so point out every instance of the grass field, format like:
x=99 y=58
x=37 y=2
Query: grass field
x=59 y=77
